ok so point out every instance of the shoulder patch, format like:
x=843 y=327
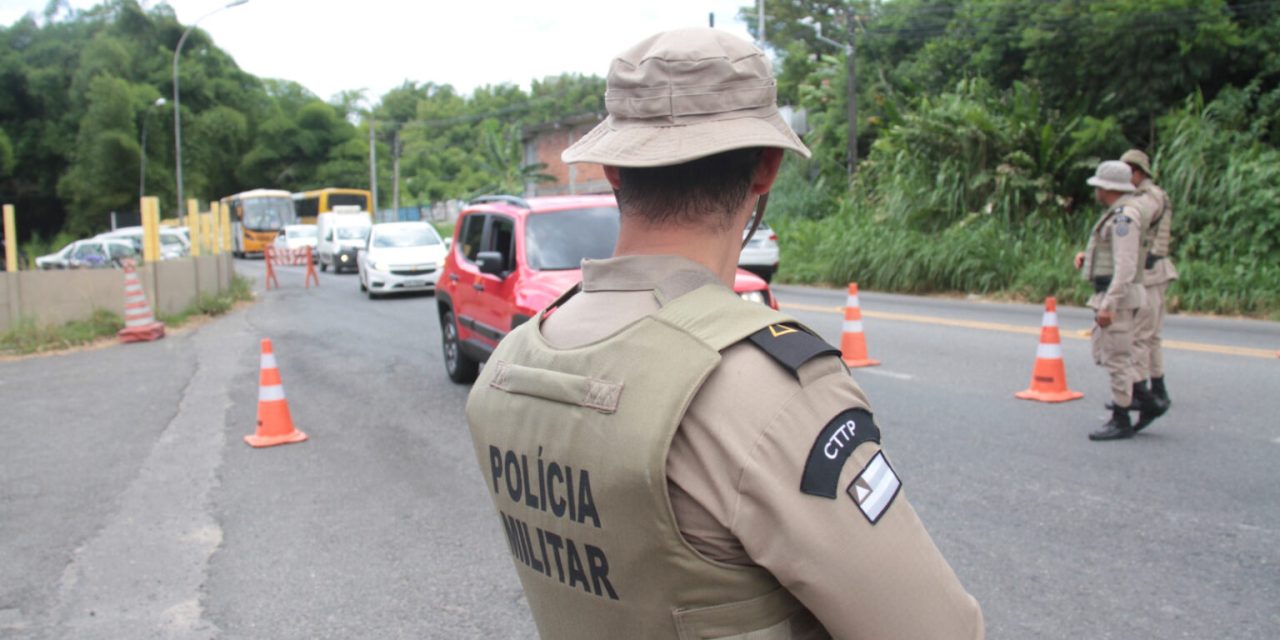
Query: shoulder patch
x=791 y=345
x=843 y=434
x=875 y=488
x=1122 y=225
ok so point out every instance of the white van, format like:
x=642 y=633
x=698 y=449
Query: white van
x=341 y=236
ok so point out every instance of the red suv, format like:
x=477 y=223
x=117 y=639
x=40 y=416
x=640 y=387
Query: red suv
x=511 y=257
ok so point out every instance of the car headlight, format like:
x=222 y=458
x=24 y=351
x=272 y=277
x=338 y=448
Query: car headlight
x=343 y=257
x=753 y=296
x=440 y=261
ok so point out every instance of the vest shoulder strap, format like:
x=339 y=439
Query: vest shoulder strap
x=719 y=318
x=791 y=345
x=715 y=315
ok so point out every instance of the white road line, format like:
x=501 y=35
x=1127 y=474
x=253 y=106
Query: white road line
x=884 y=373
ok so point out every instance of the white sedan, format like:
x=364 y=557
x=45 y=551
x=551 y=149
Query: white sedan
x=400 y=256
x=760 y=256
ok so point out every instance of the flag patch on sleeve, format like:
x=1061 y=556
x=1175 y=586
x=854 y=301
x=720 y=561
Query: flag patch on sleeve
x=875 y=488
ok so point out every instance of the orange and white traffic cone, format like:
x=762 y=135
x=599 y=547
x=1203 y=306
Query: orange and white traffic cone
x=275 y=425
x=853 y=344
x=1049 y=377
x=139 y=323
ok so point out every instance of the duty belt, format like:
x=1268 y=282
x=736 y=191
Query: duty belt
x=1101 y=283
x=1152 y=259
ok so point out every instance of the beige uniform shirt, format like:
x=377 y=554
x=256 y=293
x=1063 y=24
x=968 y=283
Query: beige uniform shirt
x=1115 y=250
x=735 y=465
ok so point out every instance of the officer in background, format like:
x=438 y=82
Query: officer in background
x=1111 y=264
x=1157 y=214
x=669 y=460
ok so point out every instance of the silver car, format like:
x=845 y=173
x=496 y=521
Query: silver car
x=88 y=254
x=760 y=256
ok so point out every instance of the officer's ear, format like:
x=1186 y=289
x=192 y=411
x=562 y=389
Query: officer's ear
x=612 y=175
x=766 y=171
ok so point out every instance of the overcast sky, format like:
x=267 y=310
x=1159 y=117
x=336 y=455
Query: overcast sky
x=329 y=45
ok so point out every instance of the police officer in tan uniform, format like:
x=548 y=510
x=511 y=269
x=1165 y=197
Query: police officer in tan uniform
x=668 y=460
x=1157 y=214
x=1111 y=264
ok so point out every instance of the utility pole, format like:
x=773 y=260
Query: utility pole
x=851 y=52
x=373 y=166
x=760 y=22
x=395 y=173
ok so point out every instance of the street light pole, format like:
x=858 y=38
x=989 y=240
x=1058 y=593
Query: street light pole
x=177 y=103
x=142 y=168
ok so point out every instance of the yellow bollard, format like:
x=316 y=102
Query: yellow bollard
x=10 y=240
x=150 y=206
x=215 y=225
x=193 y=221
x=194 y=229
x=225 y=223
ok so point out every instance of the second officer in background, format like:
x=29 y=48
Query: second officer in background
x=1111 y=263
x=1158 y=272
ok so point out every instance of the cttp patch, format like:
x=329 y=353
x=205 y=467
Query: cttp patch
x=875 y=488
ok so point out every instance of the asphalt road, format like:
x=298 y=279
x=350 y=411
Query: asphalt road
x=130 y=507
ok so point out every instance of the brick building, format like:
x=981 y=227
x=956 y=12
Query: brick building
x=544 y=143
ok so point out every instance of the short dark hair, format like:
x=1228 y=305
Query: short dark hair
x=703 y=191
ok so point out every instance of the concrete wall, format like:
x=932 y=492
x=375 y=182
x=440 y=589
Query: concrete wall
x=57 y=297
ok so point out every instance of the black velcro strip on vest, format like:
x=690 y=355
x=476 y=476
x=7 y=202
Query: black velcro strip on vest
x=833 y=447
x=790 y=345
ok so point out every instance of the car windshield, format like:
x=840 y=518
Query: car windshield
x=563 y=239
x=301 y=232
x=351 y=233
x=171 y=239
x=415 y=236
x=267 y=213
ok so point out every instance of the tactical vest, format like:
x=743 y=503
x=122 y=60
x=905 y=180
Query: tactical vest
x=1160 y=237
x=1099 y=259
x=1155 y=199
x=573 y=446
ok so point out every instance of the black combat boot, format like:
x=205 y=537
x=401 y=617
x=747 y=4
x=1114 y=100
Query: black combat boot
x=1158 y=390
x=1148 y=405
x=1117 y=428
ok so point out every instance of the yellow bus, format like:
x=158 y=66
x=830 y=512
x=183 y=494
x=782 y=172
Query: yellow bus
x=257 y=216
x=310 y=204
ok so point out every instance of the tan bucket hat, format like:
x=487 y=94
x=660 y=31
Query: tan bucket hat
x=682 y=95
x=1113 y=175
x=1138 y=159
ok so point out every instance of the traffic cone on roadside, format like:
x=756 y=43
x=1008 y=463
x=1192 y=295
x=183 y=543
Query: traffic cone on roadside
x=275 y=425
x=853 y=344
x=139 y=323
x=1049 y=377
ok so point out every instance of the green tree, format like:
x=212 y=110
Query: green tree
x=103 y=173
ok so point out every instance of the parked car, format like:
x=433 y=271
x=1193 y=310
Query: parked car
x=172 y=243
x=91 y=253
x=512 y=257
x=400 y=256
x=297 y=236
x=760 y=256
x=340 y=238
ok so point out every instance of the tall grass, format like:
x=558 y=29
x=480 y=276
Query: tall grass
x=29 y=336
x=982 y=192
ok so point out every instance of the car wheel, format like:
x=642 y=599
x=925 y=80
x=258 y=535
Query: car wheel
x=461 y=368
x=362 y=287
x=323 y=266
